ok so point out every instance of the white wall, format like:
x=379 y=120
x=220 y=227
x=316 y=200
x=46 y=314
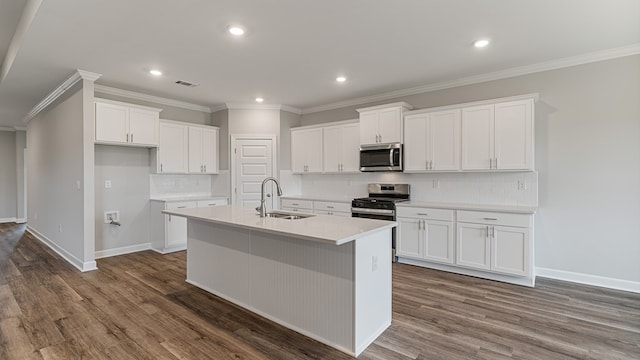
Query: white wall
x=588 y=160
x=8 y=176
x=56 y=165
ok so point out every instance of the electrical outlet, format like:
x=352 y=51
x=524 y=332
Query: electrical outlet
x=113 y=215
x=522 y=185
x=374 y=263
x=107 y=184
x=435 y=184
x=59 y=227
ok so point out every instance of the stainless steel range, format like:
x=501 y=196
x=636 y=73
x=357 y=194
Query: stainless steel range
x=381 y=205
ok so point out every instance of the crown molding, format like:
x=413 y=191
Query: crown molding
x=150 y=98
x=20 y=128
x=245 y=106
x=61 y=89
x=497 y=75
x=4 y=128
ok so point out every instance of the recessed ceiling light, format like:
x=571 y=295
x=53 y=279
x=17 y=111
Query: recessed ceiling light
x=236 y=30
x=155 y=72
x=341 y=79
x=481 y=43
x=259 y=99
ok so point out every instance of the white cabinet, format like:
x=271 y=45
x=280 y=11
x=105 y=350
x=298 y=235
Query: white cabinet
x=498 y=136
x=173 y=148
x=382 y=124
x=169 y=233
x=125 y=124
x=332 y=208
x=305 y=206
x=425 y=234
x=306 y=150
x=341 y=148
x=496 y=242
x=432 y=141
x=203 y=150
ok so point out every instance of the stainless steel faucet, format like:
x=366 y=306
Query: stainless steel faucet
x=261 y=208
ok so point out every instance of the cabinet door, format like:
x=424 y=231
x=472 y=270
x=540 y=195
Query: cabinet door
x=415 y=143
x=514 y=135
x=350 y=148
x=443 y=141
x=369 y=127
x=298 y=152
x=195 y=150
x=439 y=241
x=143 y=127
x=390 y=125
x=173 y=148
x=111 y=122
x=410 y=241
x=510 y=250
x=210 y=150
x=477 y=137
x=176 y=233
x=332 y=148
x=473 y=248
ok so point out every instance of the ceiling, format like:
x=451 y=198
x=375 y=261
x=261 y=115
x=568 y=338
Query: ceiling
x=294 y=49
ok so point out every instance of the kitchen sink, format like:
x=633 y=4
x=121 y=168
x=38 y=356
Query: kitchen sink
x=287 y=216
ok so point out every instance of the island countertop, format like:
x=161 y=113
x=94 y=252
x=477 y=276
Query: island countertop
x=335 y=230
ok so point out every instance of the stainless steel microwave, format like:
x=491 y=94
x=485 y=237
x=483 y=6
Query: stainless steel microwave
x=381 y=157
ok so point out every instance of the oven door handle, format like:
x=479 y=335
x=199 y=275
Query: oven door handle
x=372 y=211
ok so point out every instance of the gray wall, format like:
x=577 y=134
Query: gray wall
x=588 y=159
x=128 y=170
x=168 y=112
x=55 y=168
x=8 y=176
x=21 y=206
x=221 y=120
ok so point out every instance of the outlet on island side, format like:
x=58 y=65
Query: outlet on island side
x=111 y=216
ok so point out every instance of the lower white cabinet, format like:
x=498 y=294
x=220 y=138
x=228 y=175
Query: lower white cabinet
x=497 y=242
x=426 y=234
x=493 y=245
x=169 y=233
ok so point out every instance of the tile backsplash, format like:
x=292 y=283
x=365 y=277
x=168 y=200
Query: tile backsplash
x=504 y=188
x=170 y=185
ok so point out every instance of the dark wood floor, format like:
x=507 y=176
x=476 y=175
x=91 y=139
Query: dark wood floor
x=138 y=306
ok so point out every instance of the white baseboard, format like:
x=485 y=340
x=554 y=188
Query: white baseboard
x=21 y=220
x=617 y=284
x=7 y=220
x=100 y=254
x=70 y=258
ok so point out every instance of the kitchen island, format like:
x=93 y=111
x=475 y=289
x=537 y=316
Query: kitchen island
x=326 y=277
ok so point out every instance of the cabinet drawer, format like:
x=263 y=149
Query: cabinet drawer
x=216 y=202
x=332 y=206
x=494 y=218
x=298 y=204
x=180 y=205
x=425 y=213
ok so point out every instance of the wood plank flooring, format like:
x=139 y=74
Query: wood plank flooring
x=138 y=306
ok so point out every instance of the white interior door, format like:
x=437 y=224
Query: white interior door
x=253 y=161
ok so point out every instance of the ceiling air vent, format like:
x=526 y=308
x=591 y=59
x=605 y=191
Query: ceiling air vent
x=186 y=83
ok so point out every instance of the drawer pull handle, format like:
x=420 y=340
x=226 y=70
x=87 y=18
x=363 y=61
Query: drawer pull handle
x=295 y=204
x=329 y=207
x=487 y=218
x=181 y=207
x=423 y=214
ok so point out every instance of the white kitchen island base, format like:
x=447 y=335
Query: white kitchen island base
x=339 y=295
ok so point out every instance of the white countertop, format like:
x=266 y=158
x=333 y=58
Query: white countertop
x=336 y=230
x=328 y=198
x=176 y=198
x=475 y=207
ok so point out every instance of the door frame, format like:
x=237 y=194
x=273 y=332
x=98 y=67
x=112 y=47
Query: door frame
x=232 y=159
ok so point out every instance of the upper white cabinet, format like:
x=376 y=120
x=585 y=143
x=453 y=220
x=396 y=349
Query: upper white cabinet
x=203 y=150
x=432 y=141
x=382 y=124
x=126 y=124
x=341 y=148
x=187 y=149
x=173 y=148
x=306 y=150
x=498 y=136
